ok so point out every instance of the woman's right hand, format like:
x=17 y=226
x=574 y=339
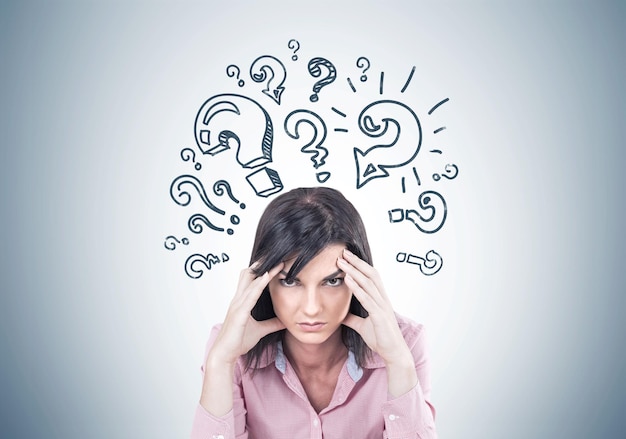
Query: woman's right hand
x=240 y=332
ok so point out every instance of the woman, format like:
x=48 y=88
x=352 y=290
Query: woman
x=310 y=346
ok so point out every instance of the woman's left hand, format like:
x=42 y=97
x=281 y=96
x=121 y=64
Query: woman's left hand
x=380 y=329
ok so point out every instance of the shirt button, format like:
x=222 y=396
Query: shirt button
x=392 y=417
x=218 y=437
x=316 y=422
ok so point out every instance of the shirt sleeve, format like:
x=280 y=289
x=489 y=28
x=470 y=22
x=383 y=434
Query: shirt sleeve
x=233 y=424
x=412 y=415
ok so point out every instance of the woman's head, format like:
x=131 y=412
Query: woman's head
x=298 y=225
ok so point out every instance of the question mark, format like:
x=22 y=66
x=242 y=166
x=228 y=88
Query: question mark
x=429 y=265
x=253 y=139
x=270 y=69
x=360 y=63
x=233 y=70
x=168 y=244
x=191 y=155
x=432 y=218
x=314 y=147
x=295 y=45
x=375 y=160
x=316 y=71
x=449 y=169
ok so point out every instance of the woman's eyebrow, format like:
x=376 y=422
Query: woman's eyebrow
x=334 y=275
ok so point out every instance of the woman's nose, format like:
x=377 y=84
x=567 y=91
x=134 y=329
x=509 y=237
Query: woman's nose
x=312 y=304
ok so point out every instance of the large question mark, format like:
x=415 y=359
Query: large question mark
x=434 y=213
x=233 y=70
x=315 y=69
x=271 y=69
x=245 y=123
x=375 y=160
x=363 y=62
x=295 y=46
x=314 y=146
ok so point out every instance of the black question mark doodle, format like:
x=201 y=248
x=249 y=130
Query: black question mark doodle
x=218 y=188
x=232 y=71
x=314 y=147
x=254 y=137
x=295 y=46
x=363 y=62
x=453 y=170
x=432 y=221
x=171 y=241
x=183 y=198
x=429 y=265
x=373 y=163
x=204 y=261
x=316 y=71
x=195 y=224
x=191 y=155
x=271 y=69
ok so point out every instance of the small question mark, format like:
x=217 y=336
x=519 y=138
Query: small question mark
x=171 y=241
x=363 y=62
x=271 y=69
x=449 y=169
x=232 y=70
x=191 y=155
x=316 y=71
x=295 y=45
x=429 y=265
x=434 y=212
x=319 y=153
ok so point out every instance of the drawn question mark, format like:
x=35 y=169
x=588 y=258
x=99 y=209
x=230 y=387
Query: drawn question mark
x=232 y=70
x=171 y=241
x=315 y=69
x=205 y=262
x=190 y=155
x=246 y=124
x=434 y=212
x=295 y=46
x=428 y=265
x=271 y=69
x=453 y=170
x=363 y=62
x=385 y=119
x=314 y=147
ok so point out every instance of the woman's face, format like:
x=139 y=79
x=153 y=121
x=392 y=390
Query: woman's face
x=313 y=305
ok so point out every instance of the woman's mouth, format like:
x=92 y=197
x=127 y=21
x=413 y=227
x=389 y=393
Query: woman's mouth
x=311 y=326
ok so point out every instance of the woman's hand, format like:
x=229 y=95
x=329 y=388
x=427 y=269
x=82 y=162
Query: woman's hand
x=240 y=331
x=380 y=329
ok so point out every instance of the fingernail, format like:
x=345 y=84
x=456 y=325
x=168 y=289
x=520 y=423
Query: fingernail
x=347 y=252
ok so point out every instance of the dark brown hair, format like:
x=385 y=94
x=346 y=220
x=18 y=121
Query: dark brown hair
x=301 y=223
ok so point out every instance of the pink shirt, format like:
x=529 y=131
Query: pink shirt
x=272 y=404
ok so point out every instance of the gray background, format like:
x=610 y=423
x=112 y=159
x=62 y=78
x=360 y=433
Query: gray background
x=101 y=332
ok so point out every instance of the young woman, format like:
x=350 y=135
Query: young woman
x=310 y=346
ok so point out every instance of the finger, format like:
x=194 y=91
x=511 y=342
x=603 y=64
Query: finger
x=367 y=285
x=363 y=297
x=257 y=286
x=365 y=268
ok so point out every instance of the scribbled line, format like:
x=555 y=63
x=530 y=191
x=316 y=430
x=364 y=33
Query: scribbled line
x=438 y=130
x=417 y=177
x=382 y=80
x=406 y=84
x=197 y=264
x=351 y=85
x=429 y=265
x=403 y=186
x=338 y=112
x=341 y=130
x=436 y=151
x=171 y=241
x=438 y=105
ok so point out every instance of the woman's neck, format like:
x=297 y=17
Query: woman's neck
x=315 y=358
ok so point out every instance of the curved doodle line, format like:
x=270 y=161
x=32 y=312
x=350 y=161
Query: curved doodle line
x=316 y=72
x=263 y=71
x=171 y=238
x=406 y=84
x=182 y=195
x=218 y=189
x=428 y=266
x=424 y=201
x=437 y=105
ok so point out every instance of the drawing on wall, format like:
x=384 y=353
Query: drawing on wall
x=391 y=142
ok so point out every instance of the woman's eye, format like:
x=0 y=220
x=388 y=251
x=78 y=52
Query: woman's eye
x=335 y=282
x=288 y=282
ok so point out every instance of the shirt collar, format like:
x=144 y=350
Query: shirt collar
x=355 y=372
